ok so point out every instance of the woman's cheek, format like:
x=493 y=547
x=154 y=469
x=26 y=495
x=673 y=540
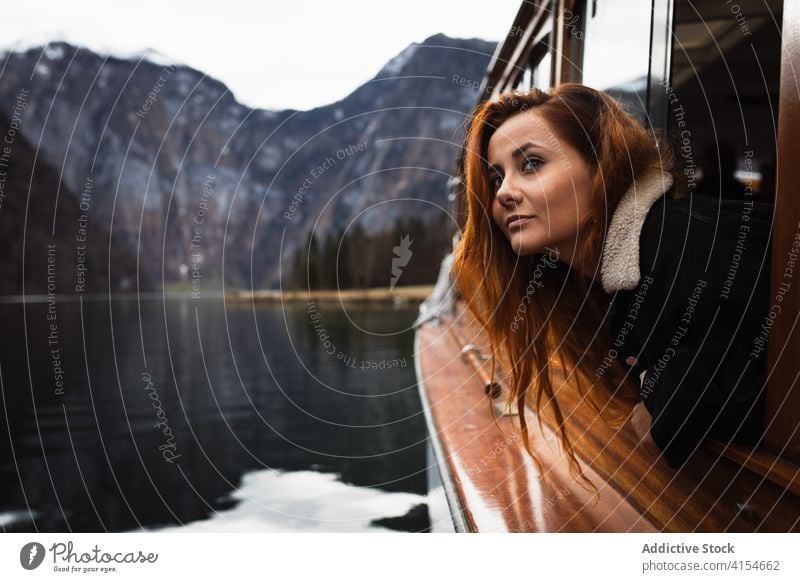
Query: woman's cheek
x=497 y=219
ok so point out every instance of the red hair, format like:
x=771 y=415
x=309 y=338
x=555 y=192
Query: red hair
x=565 y=318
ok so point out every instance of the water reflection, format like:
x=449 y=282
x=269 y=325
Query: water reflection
x=168 y=404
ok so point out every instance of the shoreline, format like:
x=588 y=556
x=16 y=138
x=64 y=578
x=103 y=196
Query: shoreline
x=375 y=295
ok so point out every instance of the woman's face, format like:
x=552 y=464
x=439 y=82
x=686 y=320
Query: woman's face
x=535 y=174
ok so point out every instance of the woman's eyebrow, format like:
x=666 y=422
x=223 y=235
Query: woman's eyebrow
x=518 y=153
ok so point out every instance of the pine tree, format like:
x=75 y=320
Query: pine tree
x=357 y=246
x=345 y=265
x=313 y=263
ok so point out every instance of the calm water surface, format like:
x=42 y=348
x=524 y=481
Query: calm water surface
x=187 y=413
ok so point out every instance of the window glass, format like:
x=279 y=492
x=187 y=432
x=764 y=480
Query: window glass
x=723 y=95
x=616 y=49
x=540 y=77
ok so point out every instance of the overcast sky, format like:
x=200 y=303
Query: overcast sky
x=291 y=54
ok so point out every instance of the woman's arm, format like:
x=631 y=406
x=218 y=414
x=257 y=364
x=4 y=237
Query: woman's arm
x=697 y=331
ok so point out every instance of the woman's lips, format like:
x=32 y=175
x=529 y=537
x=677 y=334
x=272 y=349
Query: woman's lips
x=519 y=222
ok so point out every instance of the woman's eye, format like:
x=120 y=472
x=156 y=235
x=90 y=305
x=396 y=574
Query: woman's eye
x=532 y=164
x=495 y=182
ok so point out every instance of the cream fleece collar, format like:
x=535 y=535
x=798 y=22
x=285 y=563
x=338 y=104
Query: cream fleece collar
x=620 y=265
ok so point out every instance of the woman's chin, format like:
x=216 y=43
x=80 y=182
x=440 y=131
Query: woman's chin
x=524 y=248
x=524 y=251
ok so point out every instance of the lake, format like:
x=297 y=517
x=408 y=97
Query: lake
x=200 y=415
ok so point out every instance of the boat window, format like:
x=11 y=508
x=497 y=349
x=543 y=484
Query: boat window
x=616 y=49
x=542 y=68
x=723 y=99
x=539 y=69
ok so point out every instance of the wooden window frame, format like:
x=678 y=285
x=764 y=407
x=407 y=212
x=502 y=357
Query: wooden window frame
x=783 y=391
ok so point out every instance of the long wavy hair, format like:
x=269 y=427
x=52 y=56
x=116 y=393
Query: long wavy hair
x=563 y=322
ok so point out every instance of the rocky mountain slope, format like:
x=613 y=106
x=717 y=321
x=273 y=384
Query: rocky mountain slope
x=194 y=185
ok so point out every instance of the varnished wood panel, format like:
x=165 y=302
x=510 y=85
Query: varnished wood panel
x=502 y=491
x=783 y=395
x=495 y=478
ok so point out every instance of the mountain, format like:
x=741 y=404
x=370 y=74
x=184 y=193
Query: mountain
x=188 y=181
x=43 y=231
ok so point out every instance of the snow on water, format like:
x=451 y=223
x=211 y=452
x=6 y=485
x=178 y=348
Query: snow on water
x=302 y=501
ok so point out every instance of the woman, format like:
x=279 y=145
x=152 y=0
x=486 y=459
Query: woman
x=578 y=251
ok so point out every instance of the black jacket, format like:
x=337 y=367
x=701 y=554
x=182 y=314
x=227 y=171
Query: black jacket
x=693 y=312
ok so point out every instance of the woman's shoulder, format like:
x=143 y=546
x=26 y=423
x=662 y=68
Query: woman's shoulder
x=722 y=213
x=697 y=221
x=704 y=238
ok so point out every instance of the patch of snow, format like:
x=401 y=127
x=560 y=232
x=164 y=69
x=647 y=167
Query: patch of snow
x=302 y=501
x=396 y=65
x=54 y=52
x=148 y=54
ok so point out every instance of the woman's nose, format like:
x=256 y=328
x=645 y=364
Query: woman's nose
x=508 y=195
